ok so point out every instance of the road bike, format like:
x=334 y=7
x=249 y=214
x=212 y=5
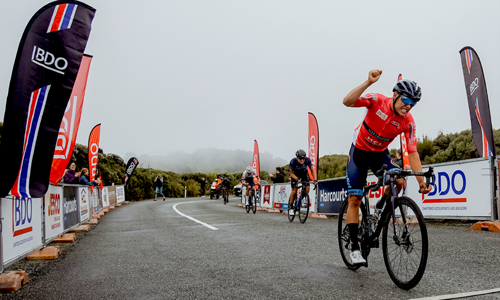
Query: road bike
x=251 y=205
x=404 y=234
x=301 y=203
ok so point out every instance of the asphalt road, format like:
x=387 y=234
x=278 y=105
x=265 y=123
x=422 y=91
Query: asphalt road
x=147 y=250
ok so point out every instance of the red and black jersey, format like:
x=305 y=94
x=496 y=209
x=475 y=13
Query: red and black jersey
x=381 y=124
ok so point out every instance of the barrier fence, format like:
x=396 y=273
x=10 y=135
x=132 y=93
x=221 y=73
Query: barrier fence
x=463 y=190
x=30 y=224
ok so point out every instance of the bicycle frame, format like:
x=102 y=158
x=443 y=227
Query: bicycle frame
x=392 y=177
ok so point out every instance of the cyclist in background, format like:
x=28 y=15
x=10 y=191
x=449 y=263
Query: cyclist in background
x=298 y=172
x=384 y=120
x=247 y=179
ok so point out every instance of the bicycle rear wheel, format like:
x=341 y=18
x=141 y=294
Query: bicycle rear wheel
x=405 y=259
x=304 y=208
x=254 y=203
x=291 y=212
x=247 y=207
x=345 y=245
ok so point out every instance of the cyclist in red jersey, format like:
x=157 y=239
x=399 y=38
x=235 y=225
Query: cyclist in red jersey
x=384 y=120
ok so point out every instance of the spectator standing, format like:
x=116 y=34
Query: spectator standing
x=70 y=175
x=203 y=183
x=84 y=178
x=399 y=160
x=279 y=177
x=158 y=183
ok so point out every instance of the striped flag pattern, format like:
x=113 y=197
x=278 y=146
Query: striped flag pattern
x=486 y=147
x=62 y=18
x=38 y=100
x=468 y=58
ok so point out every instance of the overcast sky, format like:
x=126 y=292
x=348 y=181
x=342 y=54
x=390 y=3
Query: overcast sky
x=184 y=75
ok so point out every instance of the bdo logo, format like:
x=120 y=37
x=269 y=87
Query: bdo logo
x=48 y=60
x=22 y=214
x=448 y=186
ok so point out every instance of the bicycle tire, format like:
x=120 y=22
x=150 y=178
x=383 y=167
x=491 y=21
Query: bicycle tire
x=254 y=204
x=304 y=209
x=291 y=207
x=414 y=243
x=247 y=207
x=343 y=234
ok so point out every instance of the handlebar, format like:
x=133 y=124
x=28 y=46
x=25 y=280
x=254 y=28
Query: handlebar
x=430 y=178
x=300 y=184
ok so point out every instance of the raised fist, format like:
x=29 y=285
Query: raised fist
x=374 y=75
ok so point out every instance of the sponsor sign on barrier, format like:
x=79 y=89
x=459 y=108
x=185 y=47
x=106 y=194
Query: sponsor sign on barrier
x=282 y=193
x=94 y=196
x=105 y=199
x=85 y=205
x=99 y=199
x=266 y=199
x=112 y=195
x=54 y=212
x=71 y=206
x=22 y=227
x=461 y=190
x=331 y=195
x=120 y=194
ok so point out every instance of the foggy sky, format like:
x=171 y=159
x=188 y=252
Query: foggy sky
x=172 y=76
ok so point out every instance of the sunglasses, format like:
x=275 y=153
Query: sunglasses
x=408 y=101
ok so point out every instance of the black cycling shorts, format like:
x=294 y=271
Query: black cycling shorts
x=358 y=164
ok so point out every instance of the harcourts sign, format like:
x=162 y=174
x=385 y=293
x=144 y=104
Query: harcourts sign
x=331 y=195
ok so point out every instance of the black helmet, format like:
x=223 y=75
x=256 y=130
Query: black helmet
x=300 y=154
x=408 y=89
x=219 y=175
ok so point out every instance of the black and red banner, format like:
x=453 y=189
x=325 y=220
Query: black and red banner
x=313 y=147
x=131 y=165
x=256 y=158
x=479 y=106
x=94 y=139
x=70 y=123
x=45 y=70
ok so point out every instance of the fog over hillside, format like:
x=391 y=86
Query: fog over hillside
x=208 y=160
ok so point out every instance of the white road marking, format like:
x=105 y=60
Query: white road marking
x=193 y=219
x=462 y=295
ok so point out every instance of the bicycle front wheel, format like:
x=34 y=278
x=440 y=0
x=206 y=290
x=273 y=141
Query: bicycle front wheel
x=254 y=203
x=345 y=244
x=304 y=208
x=291 y=212
x=405 y=251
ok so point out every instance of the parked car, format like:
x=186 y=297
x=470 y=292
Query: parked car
x=237 y=188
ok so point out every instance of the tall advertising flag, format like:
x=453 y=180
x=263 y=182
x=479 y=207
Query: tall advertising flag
x=45 y=70
x=255 y=158
x=131 y=165
x=70 y=123
x=94 y=137
x=479 y=107
x=313 y=143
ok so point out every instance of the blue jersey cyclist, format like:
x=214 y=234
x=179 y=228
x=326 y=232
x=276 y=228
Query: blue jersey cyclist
x=247 y=179
x=299 y=173
x=385 y=119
